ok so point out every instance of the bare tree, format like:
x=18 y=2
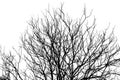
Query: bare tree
x=60 y=48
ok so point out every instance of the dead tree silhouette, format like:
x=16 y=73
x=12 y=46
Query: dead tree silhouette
x=61 y=48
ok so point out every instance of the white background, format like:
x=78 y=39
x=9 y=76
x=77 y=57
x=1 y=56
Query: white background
x=14 y=15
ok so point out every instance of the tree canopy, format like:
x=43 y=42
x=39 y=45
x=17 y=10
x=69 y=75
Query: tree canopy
x=61 y=48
